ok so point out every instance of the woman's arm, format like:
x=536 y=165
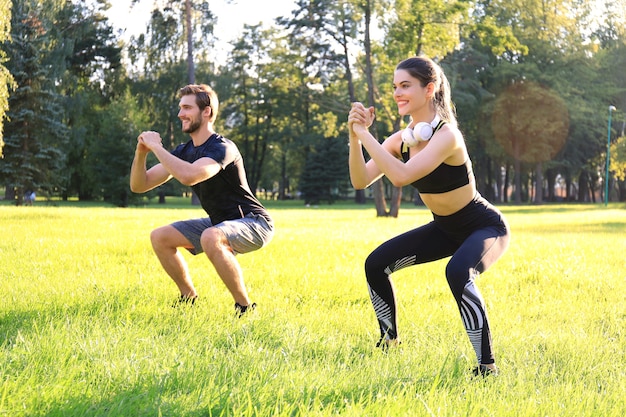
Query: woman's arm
x=384 y=155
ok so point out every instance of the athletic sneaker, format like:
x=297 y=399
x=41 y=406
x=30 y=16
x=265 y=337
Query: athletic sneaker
x=184 y=299
x=241 y=310
x=484 y=371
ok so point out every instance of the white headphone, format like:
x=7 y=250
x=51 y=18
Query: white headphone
x=420 y=133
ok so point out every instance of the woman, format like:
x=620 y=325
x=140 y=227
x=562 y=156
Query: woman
x=430 y=154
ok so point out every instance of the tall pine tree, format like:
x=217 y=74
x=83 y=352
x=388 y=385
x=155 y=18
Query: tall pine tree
x=34 y=134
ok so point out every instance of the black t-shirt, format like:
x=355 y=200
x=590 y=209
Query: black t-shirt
x=227 y=195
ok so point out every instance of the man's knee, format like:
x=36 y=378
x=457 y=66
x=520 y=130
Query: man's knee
x=212 y=240
x=164 y=237
x=158 y=236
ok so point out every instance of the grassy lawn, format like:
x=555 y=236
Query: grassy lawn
x=86 y=327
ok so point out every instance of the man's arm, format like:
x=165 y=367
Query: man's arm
x=141 y=179
x=186 y=173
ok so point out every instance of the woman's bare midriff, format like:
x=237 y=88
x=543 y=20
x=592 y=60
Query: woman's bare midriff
x=449 y=203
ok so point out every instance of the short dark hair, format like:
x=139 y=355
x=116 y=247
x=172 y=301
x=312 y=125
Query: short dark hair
x=205 y=96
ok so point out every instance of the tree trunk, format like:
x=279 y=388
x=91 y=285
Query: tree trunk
x=191 y=72
x=505 y=186
x=9 y=193
x=487 y=184
x=396 y=199
x=568 y=187
x=379 y=198
x=499 y=185
x=283 y=177
x=621 y=186
x=582 y=187
x=592 y=191
x=379 y=190
x=191 y=76
x=551 y=182
x=359 y=196
x=518 y=181
x=539 y=183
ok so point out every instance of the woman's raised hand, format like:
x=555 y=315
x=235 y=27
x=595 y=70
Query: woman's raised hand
x=360 y=116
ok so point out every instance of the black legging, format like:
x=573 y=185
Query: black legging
x=475 y=236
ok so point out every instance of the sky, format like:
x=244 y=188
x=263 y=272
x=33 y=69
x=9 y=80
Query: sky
x=231 y=16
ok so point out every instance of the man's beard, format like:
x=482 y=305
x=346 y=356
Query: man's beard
x=193 y=126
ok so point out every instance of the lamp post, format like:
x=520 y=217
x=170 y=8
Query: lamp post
x=608 y=158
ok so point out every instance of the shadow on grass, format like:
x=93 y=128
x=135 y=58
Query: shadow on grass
x=605 y=228
x=139 y=400
x=552 y=208
x=190 y=392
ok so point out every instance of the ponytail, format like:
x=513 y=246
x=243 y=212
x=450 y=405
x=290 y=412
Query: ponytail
x=443 y=101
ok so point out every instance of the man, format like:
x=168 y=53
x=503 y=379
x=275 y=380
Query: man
x=213 y=167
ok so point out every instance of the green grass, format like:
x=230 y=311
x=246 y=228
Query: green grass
x=86 y=328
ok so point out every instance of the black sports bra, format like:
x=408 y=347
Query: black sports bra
x=442 y=179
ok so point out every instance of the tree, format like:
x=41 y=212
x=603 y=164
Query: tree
x=248 y=87
x=93 y=77
x=429 y=28
x=557 y=53
x=115 y=135
x=6 y=79
x=280 y=84
x=412 y=28
x=532 y=124
x=328 y=29
x=180 y=33
x=325 y=174
x=35 y=135
x=611 y=82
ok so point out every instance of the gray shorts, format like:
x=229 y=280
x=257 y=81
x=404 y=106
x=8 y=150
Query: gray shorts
x=247 y=234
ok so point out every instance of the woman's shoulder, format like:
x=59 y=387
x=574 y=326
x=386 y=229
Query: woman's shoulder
x=457 y=142
x=453 y=133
